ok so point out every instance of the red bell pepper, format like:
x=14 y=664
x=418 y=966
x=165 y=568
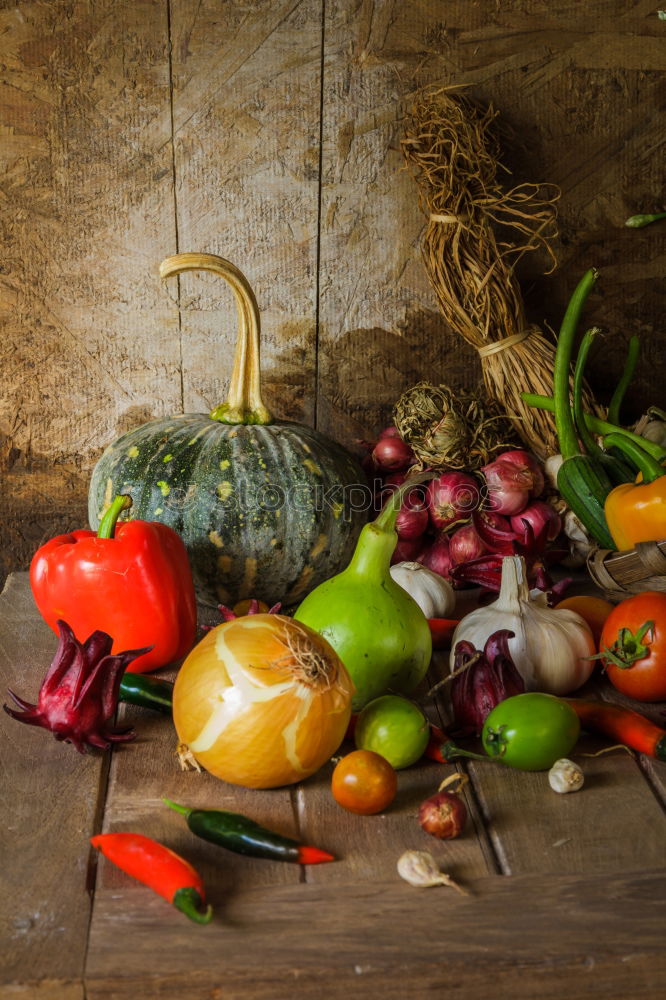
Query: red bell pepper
x=132 y=580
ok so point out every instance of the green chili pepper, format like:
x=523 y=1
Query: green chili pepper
x=240 y=834
x=148 y=692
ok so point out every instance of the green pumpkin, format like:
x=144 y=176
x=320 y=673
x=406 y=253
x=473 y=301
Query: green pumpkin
x=267 y=509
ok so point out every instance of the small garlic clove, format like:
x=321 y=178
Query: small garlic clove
x=565 y=776
x=419 y=868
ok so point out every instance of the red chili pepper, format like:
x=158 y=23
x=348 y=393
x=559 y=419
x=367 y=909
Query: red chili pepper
x=438 y=739
x=158 y=867
x=441 y=631
x=132 y=581
x=631 y=728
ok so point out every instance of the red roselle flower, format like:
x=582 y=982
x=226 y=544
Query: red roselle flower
x=254 y=607
x=489 y=679
x=79 y=694
x=539 y=515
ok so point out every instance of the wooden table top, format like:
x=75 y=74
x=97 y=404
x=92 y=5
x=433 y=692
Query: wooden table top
x=566 y=892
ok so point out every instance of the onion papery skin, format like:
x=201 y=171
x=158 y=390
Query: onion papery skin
x=247 y=713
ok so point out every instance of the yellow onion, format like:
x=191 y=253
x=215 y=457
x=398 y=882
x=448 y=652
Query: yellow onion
x=262 y=701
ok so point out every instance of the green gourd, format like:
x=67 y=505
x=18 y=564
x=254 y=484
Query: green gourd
x=266 y=509
x=378 y=630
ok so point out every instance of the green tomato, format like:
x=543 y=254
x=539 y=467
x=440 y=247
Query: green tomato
x=530 y=731
x=394 y=727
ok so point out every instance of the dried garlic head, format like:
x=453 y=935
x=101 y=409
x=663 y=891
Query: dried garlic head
x=565 y=776
x=419 y=868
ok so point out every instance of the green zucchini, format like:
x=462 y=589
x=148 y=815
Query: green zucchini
x=584 y=485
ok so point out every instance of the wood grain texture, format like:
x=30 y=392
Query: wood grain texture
x=578 y=103
x=269 y=133
x=246 y=80
x=51 y=797
x=580 y=908
x=87 y=209
x=529 y=937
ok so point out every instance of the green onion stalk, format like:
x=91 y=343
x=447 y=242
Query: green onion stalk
x=581 y=479
x=617 y=469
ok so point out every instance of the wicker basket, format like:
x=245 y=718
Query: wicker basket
x=621 y=574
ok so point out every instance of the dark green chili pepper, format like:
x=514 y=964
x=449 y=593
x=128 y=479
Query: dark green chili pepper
x=147 y=692
x=240 y=834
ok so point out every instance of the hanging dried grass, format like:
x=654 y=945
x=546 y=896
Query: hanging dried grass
x=451 y=429
x=474 y=235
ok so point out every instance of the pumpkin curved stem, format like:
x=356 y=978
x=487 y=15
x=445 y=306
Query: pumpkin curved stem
x=244 y=404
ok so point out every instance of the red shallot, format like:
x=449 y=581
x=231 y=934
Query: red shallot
x=465 y=544
x=389 y=432
x=407 y=550
x=507 y=487
x=392 y=454
x=437 y=557
x=411 y=521
x=528 y=466
x=452 y=497
x=444 y=814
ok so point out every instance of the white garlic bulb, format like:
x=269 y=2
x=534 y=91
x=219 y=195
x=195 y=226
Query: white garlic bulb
x=565 y=776
x=433 y=594
x=419 y=868
x=552 y=649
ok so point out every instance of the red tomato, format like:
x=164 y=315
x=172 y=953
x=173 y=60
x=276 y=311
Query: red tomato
x=633 y=644
x=364 y=782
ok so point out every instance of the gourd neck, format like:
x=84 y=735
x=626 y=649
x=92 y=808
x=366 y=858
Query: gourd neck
x=244 y=404
x=372 y=556
x=378 y=539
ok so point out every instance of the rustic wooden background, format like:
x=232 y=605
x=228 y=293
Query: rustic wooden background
x=268 y=132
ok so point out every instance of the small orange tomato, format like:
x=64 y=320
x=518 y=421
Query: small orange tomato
x=364 y=782
x=593 y=610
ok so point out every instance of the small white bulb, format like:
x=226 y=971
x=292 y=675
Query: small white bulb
x=565 y=776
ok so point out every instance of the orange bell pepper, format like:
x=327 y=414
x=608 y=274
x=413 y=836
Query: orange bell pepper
x=636 y=512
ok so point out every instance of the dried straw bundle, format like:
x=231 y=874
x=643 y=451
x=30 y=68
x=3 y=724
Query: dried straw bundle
x=452 y=430
x=453 y=155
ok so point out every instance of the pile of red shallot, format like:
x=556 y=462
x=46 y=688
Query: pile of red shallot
x=462 y=524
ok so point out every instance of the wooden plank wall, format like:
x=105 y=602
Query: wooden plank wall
x=269 y=132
